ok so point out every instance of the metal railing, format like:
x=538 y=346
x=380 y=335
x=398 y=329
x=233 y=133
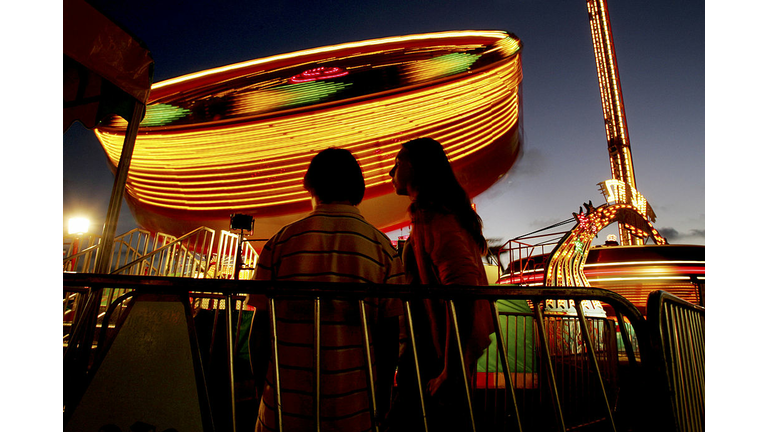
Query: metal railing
x=186 y=256
x=572 y=383
x=227 y=257
x=133 y=245
x=525 y=257
x=677 y=335
x=80 y=253
x=139 y=253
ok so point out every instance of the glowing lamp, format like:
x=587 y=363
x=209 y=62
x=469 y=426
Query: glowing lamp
x=78 y=226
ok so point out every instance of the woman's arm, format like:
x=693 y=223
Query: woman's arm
x=434 y=384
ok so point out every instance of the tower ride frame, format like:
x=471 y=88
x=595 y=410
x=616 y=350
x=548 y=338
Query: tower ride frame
x=619 y=151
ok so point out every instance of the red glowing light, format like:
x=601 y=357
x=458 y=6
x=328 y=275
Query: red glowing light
x=319 y=73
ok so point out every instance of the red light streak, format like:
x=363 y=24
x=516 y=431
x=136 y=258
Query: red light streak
x=320 y=73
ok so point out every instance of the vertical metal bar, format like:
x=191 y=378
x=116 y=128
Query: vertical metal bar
x=194 y=262
x=231 y=359
x=209 y=253
x=174 y=258
x=164 y=260
x=152 y=261
x=630 y=350
x=670 y=341
x=239 y=320
x=593 y=357
x=197 y=257
x=215 y=304
x=548 y=359
x=409 y=320
x=687 y=369
x=495 y=378
x=461 y=363
x=679 y=366
x=316 y=361
x=505 y=363
x=278 y=395
x=569 y=346
x=699 y=347
x=525 y=352
x=369 y=370
x=104 y=256
x=184 y=256
x=695 y=383
x=692 y=380
x=219 y=255
x=122 y=256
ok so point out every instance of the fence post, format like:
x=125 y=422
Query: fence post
x=505 y=364
x=369 y=370
x=409 y=320
x=455 y=322
x=231 y=359
x=316 y=360
x=545 y=348
x=593 y=357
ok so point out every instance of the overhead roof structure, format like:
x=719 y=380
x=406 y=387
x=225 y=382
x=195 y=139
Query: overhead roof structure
x=106 y=71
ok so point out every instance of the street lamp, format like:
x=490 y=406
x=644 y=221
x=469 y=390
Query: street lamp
x=77 y=226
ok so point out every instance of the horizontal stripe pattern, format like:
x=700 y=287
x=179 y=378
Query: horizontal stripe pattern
x=333 y=244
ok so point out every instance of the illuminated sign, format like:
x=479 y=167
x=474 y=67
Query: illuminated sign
x=619 y=192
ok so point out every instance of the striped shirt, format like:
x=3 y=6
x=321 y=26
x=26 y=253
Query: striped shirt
x=333 y=244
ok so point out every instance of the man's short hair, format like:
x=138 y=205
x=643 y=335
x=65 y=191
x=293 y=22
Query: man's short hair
x=334 y=175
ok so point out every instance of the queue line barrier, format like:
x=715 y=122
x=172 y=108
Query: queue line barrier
x=571 y=360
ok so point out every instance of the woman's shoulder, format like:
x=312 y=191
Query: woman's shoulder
x=440 y=221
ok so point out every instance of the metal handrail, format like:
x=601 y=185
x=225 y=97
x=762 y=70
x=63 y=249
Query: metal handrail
x=676 y=330
x=520 y=246
x=163 y=249
x=283 y=290
x=79 y=254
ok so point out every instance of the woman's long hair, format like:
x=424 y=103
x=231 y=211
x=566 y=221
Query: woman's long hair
x=437 y=188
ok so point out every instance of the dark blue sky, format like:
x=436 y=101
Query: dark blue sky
x=660 y=51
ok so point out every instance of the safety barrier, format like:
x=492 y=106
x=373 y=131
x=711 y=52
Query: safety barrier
x=567 y=378
x=137 y=252
x=676 y=331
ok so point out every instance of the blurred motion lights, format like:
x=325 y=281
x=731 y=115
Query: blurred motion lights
x=239 y=138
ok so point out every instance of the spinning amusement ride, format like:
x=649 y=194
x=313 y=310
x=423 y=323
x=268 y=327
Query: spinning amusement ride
x=239 y=138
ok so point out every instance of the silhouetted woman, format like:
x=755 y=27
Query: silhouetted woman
x=445 y=247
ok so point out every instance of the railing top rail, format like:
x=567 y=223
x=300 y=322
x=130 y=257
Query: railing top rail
x=353 y=290
x=138 y=230
x=660 y=297
x=519 y=243
x=83 y=252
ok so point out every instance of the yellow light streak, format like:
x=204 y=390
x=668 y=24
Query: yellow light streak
x=637 y=278
x=329 y=49
x=631 y=263
x=261 y=162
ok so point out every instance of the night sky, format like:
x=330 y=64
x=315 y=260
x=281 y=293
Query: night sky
x=660 y=51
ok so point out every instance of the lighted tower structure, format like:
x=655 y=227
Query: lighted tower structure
x=622 y=169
